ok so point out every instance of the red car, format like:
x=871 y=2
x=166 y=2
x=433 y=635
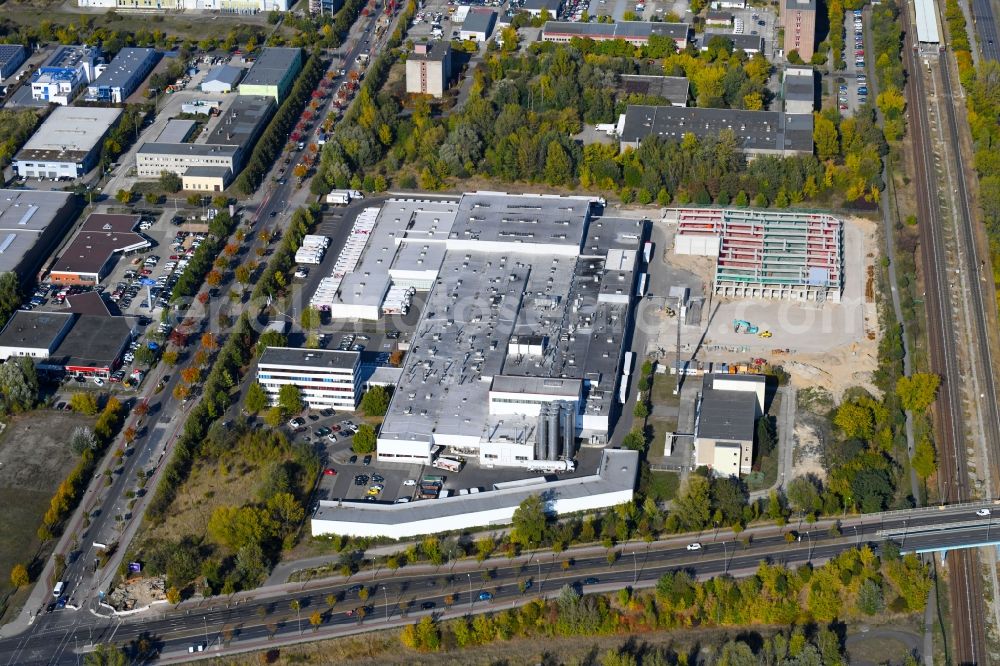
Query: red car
x=329 y=471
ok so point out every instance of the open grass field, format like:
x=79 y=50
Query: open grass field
x=34 y=459
x=663 y=390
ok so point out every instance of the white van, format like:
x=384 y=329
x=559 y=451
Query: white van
x=58 y=589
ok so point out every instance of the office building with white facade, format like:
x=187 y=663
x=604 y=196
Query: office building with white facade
x=326 y=378
x=67 y=144
x=65 y=74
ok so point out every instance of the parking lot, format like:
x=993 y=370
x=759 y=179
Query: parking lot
x=762 y=22
x=850 y=86
x=399 y=481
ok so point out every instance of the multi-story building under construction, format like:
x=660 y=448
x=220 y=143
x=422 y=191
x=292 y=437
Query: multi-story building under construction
x=766 y=253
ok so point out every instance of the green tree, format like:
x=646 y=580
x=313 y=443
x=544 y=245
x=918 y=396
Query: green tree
x=256 y=398
x=19 y=384
x=124 y=196
x=375 y=401
x=825 y=137
x=19 y=576
x=803 y=495
x=925 y=458
x=692 y=507
x=530 y=522
x=106 y=654
x=290 y=399
x=641 y=410
x=634 y=440
x=85 y=403
x=170 y=182
x=558 y=164
x=918 y=391
x=855 y=420
x=870 y=599
x=365 y=440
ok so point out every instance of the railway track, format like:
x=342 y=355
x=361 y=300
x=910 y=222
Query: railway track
x=967 y=615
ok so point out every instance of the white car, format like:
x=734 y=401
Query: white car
x=98 y=381
x=409 y=482
x=982 y=513
x=694 y=546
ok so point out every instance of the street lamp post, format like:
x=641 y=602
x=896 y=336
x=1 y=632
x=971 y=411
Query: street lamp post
x=385 y=591
x=635 y=569
x=725 y=558
x=205 y=619
x=540 y=581
x=472 y=602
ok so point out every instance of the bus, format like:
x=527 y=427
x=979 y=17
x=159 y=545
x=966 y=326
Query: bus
x=450 y=464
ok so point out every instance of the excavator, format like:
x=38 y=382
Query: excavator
x=743 y=326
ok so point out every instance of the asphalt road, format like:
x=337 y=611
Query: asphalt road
x=59 y=637
x=986 y=27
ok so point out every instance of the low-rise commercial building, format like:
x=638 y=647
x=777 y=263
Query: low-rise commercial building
x=67 y=145
x=536 y=7
x=749 y=44
x=93 y=347
x=221 y=79
x=32 y=224
x=224 y=153
x=719 y=18
x=611 y=484
x=428 y=69
x=798 y=89
x=756 y=132
x=478 y=24
x=326 y=378
x=12 y=56
x=35 y=334
x=67 y=71
x=122 y=77
x=273 y=73
x=637 y=33
x=89 y=257
x=725 y=422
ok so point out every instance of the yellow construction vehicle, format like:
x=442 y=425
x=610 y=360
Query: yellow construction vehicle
x=765 y=334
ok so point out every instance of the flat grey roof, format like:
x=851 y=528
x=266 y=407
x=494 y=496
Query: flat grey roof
x=176 y=131
x=800 y=86
x=124 y=66
x=10 y=52
x=436 y=52
x=538 y=5
x=801 y=5
x=34 y=328
x=618 y=30
x=271 y=66
x=223 y=73
x=242 y=122
x=201 y=149
x=69 y=134
x=485 y=293
x=310 y=358
x=726 y=415
x=719 y=16
x=616 y=471
x=207 y=171
x=479 y=20
x=754 y=130
x=540 y=385
x=70 y=55
x=24 y=217
x=742 y=42
x=94 y=341
x=672 y=88
x=100 y=236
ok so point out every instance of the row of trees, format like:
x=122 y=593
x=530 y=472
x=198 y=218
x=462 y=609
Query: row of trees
x=68 y=494
x=204 y=257
x=855 y=584
x=275 y=136
x=276 y=276
x=222 y=378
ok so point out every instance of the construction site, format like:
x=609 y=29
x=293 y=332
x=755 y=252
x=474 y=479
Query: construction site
x=759 y=287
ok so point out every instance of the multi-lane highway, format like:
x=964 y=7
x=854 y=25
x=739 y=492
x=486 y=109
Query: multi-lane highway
x=986 y=27
x=247 y=620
